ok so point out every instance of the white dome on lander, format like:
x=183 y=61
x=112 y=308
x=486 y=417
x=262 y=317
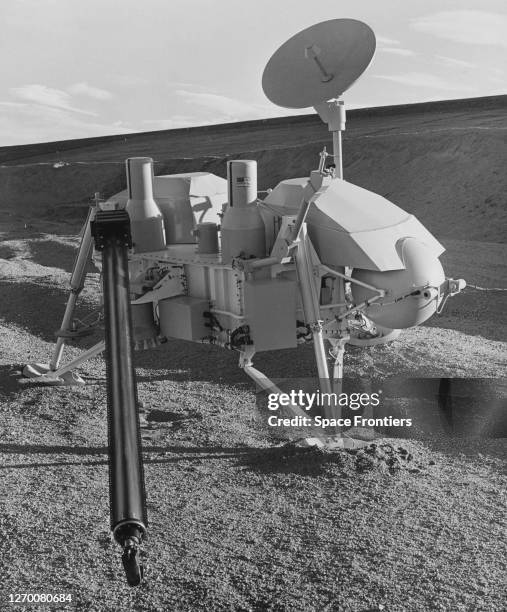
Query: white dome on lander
x=351 y=226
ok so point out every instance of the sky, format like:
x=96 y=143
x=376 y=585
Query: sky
x=82 y=68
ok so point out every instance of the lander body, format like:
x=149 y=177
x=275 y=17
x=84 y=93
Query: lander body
x=201 y=258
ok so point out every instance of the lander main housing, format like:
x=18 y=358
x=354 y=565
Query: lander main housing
x=201 y=258
x=319 y=259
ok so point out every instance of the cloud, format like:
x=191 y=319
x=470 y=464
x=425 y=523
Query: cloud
x=84 y=89
x=383 y=40
x=25 y=123
x=129 y=80
x=472 y=27
x=397 y=51
x=452 y=62
x=231 y=108
x=13 y=104
x=422 y=79
x=215 y=109
x=46 y=96
x=180 y=84
x=497 y=75
x=390 y=45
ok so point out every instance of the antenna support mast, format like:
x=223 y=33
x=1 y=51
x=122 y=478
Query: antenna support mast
x=333 y=113
x=316 y=67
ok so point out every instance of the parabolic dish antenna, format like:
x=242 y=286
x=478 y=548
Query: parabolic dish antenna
x=318 y=64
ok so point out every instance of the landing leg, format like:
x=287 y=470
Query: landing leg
x=318 y=438
x=310 y=296
x=49 y=373
x=337 y=353
x=77 y=281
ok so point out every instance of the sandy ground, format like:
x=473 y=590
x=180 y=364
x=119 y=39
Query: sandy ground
x=238 y=518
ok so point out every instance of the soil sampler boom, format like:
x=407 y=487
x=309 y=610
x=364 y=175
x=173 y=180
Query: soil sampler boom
x=319 y=260
x=111 y=231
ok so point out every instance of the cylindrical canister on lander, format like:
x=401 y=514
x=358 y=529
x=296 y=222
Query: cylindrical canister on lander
x=146 y=220
x=242 y=231
x=207 y=238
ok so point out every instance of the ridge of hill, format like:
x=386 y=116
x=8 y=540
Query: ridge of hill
x=442 y=161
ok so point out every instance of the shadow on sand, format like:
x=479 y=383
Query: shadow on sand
x=39 y=307
x=53 y=254
x=182 y=453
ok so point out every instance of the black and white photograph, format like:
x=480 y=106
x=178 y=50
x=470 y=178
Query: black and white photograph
x=253 y=306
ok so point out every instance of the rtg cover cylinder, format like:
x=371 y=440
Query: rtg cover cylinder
x=126 y=477
x=242 y=232
x=146 y=220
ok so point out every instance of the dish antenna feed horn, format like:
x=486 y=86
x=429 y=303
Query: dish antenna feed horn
x=315 y=68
